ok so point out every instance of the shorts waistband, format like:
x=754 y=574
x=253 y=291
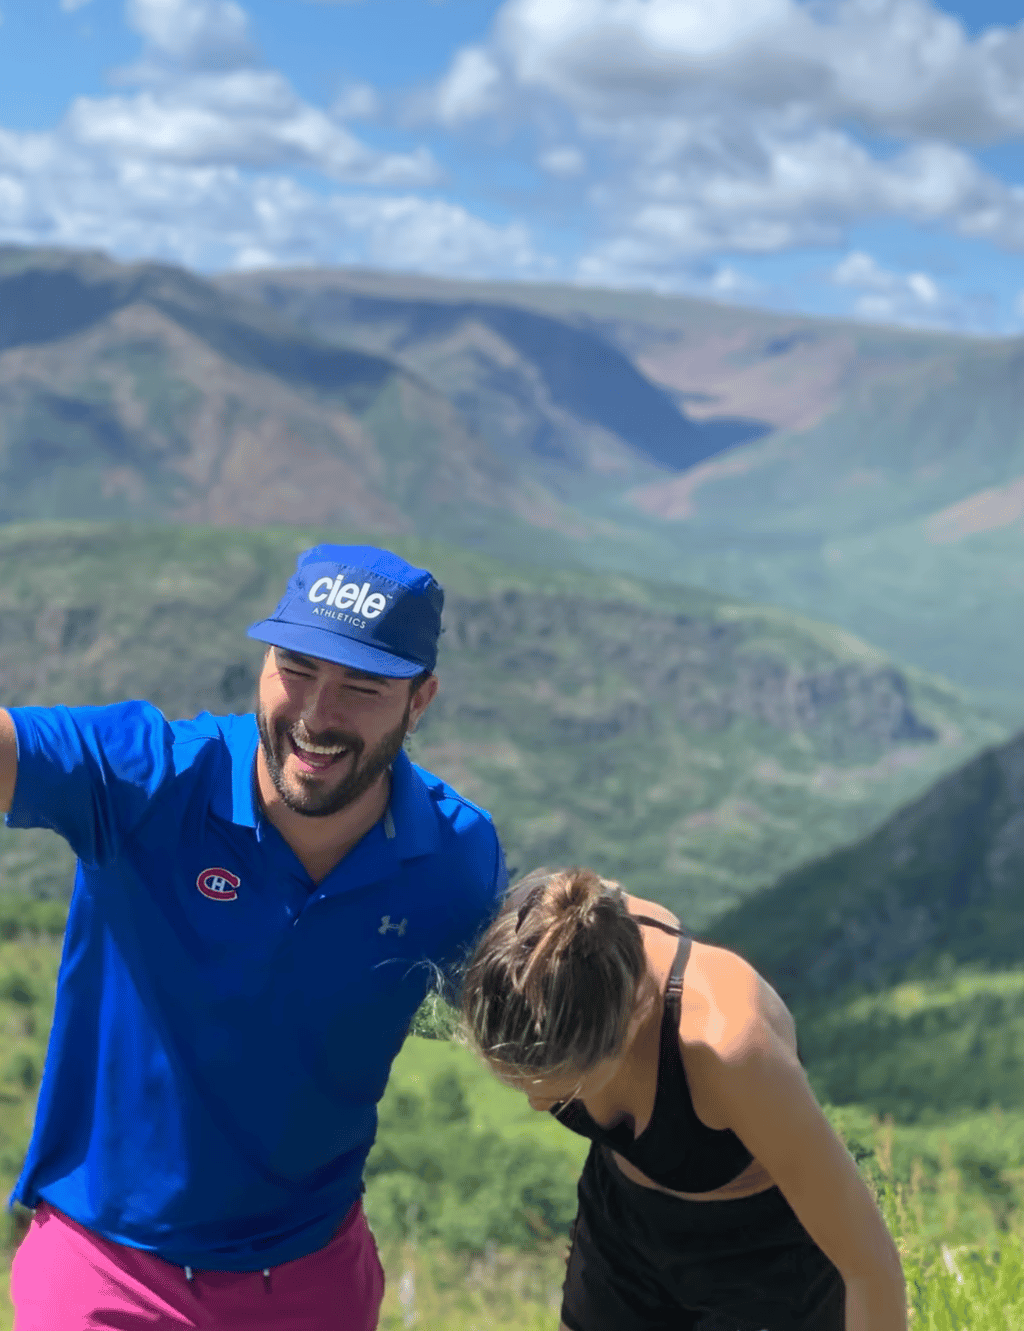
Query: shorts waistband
x=45 y=1209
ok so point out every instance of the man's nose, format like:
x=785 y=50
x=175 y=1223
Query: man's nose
x=324 y=710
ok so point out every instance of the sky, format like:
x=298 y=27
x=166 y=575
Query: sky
x=862 y=158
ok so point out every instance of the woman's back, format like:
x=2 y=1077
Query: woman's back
x=651 y=1116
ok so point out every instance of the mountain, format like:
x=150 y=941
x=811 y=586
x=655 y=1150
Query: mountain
x=145 y=392
x=866 y=476
x=903 y=954
x=939 y=886
x=694 y=746
x=542 y=386
x=898 y=514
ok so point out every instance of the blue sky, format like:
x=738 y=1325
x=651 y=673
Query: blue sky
x=852 y=157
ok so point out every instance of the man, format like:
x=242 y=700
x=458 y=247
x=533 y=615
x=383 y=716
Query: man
x=260 y=906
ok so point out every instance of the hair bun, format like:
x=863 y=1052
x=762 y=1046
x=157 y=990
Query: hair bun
x=553 y=982
x=581 y=889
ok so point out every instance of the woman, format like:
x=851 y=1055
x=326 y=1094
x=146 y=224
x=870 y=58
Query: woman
x=715 y=1195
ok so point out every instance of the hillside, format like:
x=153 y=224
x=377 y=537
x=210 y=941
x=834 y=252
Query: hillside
x=726 y=364
x=695 y=746
x=553 y=389
x=939 y=886
x=868 y=476
x=865 y=476
x=902 y=956
x=143 y=392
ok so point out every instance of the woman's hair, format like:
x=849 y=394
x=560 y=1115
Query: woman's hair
x=552 y=984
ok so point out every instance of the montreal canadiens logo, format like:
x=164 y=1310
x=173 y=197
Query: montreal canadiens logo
x=219 y=885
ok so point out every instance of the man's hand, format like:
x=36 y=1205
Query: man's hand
x=8 y=760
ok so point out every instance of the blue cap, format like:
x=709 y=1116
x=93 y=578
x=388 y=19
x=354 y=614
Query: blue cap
x=358 y=606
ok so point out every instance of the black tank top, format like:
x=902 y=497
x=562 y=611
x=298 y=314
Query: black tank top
x=675 y=1149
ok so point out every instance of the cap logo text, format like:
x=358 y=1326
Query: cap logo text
x=348 y=596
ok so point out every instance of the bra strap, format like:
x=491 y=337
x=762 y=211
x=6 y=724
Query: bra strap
x=659 y=924
x=674 y=988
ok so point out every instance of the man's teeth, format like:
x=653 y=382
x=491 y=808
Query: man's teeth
x=317 y=748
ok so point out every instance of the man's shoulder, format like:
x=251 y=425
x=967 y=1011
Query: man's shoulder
x=451 y=805
x=207 y=732
x=469 y=860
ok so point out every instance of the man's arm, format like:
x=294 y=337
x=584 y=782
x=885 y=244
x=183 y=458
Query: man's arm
x=8 y=760
x=87 y=773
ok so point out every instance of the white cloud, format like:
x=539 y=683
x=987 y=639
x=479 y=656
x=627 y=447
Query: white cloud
x=199 y=34
x=204 y=99
x=246 y=117
x=692 y=134
x=565 y=161
x=900 y=66
x=889 y=297
x=194 y=161
x=731 y=284
x=69 y=6
x=733 y=127
x=357 y=101
x=471 y=88
x=697 y=191
x=220 y=216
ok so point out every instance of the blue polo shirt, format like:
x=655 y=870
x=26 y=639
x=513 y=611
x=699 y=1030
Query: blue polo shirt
x=224 y=1028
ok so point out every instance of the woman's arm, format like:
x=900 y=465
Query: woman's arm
x=754 y=1079
x=8 y=761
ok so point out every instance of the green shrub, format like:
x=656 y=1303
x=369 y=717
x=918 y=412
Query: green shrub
x=433 y=1175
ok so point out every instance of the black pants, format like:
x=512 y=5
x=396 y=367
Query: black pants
x=643 y=1260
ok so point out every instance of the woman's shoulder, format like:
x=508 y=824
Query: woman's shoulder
x=724 y=997
x=737 y=1001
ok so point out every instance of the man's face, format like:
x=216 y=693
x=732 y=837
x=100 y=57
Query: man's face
x=328 y=732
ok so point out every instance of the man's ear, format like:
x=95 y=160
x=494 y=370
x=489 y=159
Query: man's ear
x=421 y=699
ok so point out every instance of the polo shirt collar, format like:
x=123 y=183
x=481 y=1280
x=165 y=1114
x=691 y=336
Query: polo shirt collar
x=243 y=779
x=411 y=825
x=412 y=811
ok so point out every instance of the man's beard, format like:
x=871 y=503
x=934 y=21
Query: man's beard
x=313 y=801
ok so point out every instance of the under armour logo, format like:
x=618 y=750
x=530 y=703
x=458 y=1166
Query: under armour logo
x=387 y=927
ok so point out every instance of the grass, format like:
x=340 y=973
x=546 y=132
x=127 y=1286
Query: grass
x=960 y=1229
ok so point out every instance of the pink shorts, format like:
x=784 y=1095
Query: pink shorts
x=65 y=1278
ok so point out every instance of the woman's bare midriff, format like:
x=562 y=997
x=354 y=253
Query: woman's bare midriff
x=755 y=1178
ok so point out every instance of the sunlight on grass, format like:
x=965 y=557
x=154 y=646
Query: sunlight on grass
x=958 y=1219
x=952 y=1284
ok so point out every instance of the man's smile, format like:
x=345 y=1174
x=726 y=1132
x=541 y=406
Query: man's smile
x=312 y=757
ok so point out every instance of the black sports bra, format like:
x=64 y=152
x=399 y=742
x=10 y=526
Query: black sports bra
x=675 y=1149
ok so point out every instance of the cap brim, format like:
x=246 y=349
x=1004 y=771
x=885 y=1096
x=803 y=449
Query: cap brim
x=326 y=645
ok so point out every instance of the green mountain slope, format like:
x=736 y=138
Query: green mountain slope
x=924 y=1050
x=693 y=746
x=552 y=389
x=887 y=498
x=898 y=515
x=143 y=392
x=609 y=430
x=940 y=884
